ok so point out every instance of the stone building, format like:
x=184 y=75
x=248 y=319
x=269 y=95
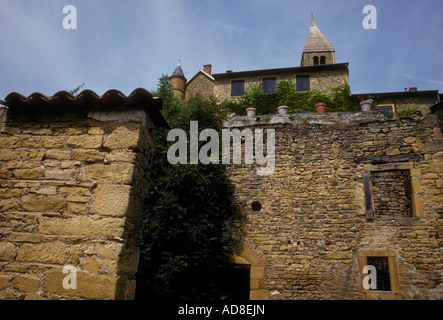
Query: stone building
x=348 y=190
x=73 y=174
x=318 y=70
x=422 y=100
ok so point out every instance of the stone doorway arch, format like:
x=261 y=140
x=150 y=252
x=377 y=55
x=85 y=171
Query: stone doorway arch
x=257 y=272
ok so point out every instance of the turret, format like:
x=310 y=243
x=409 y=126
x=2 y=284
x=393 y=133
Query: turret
x=178 y=82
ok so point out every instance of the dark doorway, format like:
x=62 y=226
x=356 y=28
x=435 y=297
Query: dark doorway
x=235 y=282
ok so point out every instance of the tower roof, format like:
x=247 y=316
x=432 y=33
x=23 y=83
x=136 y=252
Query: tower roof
x=178 y=72
x=316 y=41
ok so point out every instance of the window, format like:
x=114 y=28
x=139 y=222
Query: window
x=392 y=193
x=390 y=187
x=269 y=85
x=302 y=83
x=381 y=265
x=237 y=88
x=386 y=277
x=322 y=60
x=315 y=61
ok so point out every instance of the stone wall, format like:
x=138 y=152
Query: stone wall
x=72 y=188
x=200 y=84
x=312 y=236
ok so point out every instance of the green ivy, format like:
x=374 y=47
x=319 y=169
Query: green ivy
x=186 y=245
x=337 y=98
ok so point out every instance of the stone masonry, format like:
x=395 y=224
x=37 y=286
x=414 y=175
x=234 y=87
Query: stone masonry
x=73 y=173
x=309 y=235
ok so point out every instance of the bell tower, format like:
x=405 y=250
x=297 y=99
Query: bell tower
x=317 y=49
x=178 y=82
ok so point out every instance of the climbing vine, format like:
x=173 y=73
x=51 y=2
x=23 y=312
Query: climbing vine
x=337 y=98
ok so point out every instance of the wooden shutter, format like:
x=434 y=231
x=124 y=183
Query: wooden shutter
x=368 y=195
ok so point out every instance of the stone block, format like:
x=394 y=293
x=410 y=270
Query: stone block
x=4 y=280
x=43 y=143
x=123 y=137
x=29 y=174
x=6 y=155
x=260 y=294
x=257 y=272
x=90 y=264
x=44 y=253
x=436 y=167
x=58 y=154
x=77 y=208
x=27 y=283
x=59 y=174
x=82 y=226
x=70 y=131
x=96 y=130
x=87 y=155
x=85 y=142
x=23 y=165
x=25 y=237
x=89 y=286
x=42 y=203
x=416 y=187
x=7 y=251
x=115 y=172
x=392 y=151
x=75 y=191
x=121 y=155
x=38 y=131
x=7 y=142
x=434 y=146
x=418 y=147
x=9 y=193
x=8 y=205
x=112 y=200
x=409 y=140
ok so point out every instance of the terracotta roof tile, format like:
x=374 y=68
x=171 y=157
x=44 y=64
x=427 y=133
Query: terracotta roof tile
x=62 y=100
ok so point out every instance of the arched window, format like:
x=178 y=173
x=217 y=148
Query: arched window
x=322 y=60
x=315 y=60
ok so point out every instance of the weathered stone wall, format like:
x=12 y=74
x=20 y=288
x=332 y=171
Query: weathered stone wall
x=202 y=85
x=311 y=237
x=321 y=80
x=71 y=194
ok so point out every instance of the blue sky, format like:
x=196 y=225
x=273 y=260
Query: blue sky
x=129 y=44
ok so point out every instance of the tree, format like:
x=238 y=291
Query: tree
x=187 y=241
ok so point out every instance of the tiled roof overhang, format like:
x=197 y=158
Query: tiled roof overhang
x=64 y=101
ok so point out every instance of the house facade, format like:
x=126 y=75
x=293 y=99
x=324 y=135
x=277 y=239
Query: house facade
x=317 y=70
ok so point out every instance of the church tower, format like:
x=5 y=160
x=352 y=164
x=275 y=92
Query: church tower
x=317 y=48
x=178 y=82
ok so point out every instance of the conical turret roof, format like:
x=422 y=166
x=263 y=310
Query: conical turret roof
x=316 y=41
x=178 y=72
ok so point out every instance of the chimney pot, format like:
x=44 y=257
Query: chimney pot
x=413 y=89
x=207 y=68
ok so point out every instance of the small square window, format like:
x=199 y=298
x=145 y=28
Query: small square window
x=269 y=85
x=381 y=265
x=237 y=88
x=302 y=83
